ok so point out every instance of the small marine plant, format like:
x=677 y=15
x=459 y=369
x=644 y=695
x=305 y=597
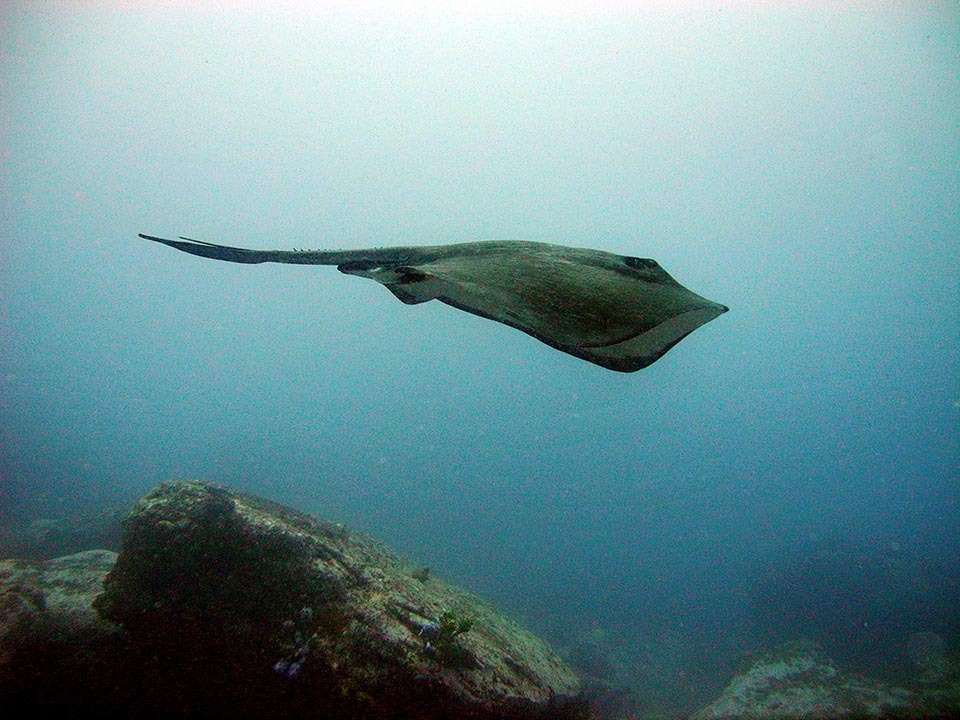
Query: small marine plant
x=452 y=624
x=440 y=639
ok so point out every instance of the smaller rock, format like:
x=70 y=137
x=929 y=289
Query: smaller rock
x=55 y=649
x=796 y=680
x=51 y=600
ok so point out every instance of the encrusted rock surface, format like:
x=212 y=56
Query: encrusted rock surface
x=232 y=605
x=796 y=680
x=52 y=600
x=54 y=647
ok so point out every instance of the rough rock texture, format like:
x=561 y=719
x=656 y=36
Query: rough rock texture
x=795 y=680
x=235 y=606
x=52 y=600
x=54 y=648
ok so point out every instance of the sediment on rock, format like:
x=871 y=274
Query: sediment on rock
x=234 y=604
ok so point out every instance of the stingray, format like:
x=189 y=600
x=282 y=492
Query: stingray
x=616 y=311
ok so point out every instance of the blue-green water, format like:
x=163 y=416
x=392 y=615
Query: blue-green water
x=801 y=166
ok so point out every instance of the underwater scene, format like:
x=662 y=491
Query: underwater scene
x=656 y=415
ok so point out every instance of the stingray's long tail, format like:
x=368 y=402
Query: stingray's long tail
x=243 y=255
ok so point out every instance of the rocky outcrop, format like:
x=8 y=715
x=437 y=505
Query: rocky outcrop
x=796 y=680
x=52 y=600
x=55 y=650
x=232 y=605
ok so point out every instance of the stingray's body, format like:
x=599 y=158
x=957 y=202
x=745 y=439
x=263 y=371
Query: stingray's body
x=616 y=311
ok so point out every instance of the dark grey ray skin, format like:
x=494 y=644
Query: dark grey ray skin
x=620 y=312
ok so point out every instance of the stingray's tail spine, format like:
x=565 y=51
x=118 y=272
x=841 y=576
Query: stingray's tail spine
x=244 y=255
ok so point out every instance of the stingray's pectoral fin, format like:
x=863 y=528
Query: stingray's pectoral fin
x=413 y=286
x=407 y=298
x=649 y=346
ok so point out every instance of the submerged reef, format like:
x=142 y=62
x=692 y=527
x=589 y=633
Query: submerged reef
x=223 y=604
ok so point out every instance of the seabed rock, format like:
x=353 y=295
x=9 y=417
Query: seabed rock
x=223 y=604
x=795 y=681
x=54 y=647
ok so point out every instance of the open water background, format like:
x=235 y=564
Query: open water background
x=801 y=165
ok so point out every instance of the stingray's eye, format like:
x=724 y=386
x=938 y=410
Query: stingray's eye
x=352 y=266
x=640 y=263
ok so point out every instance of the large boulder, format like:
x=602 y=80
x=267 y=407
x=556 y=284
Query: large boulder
x=236 y=606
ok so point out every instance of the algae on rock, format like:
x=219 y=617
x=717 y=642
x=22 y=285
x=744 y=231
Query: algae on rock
x=224 y=585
